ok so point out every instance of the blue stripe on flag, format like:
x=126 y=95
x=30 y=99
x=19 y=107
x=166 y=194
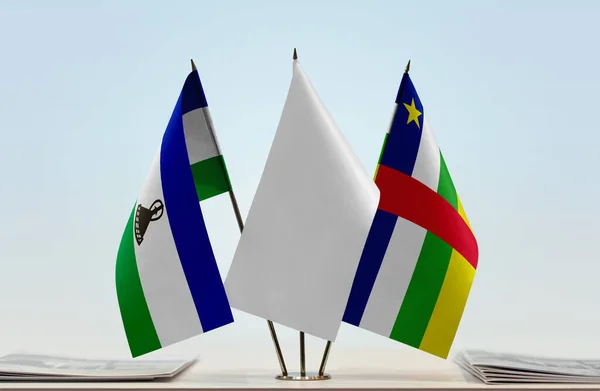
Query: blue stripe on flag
x=188 y=228
x=192 y=94
x=404 y=139
x=369 y=264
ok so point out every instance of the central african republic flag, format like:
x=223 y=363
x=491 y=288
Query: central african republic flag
x=419 y=261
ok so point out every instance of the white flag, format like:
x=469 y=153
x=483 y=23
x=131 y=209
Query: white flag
x=308 y=223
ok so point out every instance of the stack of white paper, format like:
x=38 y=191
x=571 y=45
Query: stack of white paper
x=498 y=368
x=44 y=368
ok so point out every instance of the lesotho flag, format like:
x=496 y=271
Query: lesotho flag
x=168 y=284
x=419 y=261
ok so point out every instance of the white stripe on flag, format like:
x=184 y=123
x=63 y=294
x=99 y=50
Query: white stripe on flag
x=393 y=277
x=427 y=165
x=198 y=138
x=165 y=287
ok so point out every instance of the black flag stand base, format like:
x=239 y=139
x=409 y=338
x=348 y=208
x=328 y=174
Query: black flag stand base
x=303 y=375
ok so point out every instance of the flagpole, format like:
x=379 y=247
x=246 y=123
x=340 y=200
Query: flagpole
x=240 y=222
x=324 y=359
x=302 y=343
x=302 y=356
x=321 y=374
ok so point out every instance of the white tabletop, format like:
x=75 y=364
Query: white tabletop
x=350 y=369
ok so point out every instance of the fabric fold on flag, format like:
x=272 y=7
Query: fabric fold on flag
x=167 y=280
x=419 y=261
x=307 y=225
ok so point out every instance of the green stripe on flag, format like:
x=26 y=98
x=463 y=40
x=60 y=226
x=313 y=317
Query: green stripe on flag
x=211 y=177
x=428 y=276
x=423 y=291
x=445 y=186
x=385 y=140
x=137 y=321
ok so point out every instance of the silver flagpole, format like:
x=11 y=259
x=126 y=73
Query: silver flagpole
x=240 y=221
x=324 y=359
x=321 y=375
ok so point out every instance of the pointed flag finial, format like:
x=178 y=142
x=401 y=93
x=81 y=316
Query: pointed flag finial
x=193 y=65
x=295 y=57
x=407 y=67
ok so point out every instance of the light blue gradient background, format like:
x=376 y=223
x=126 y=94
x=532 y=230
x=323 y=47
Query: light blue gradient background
x=510 y=89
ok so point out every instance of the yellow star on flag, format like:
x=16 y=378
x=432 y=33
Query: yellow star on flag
x=413 y=113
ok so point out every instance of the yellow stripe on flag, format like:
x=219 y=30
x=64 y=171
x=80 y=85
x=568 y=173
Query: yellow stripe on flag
x=449 y=307
x=376 y=171
x=461 y=212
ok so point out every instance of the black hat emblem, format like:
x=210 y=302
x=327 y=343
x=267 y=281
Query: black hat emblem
x=143 y=217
